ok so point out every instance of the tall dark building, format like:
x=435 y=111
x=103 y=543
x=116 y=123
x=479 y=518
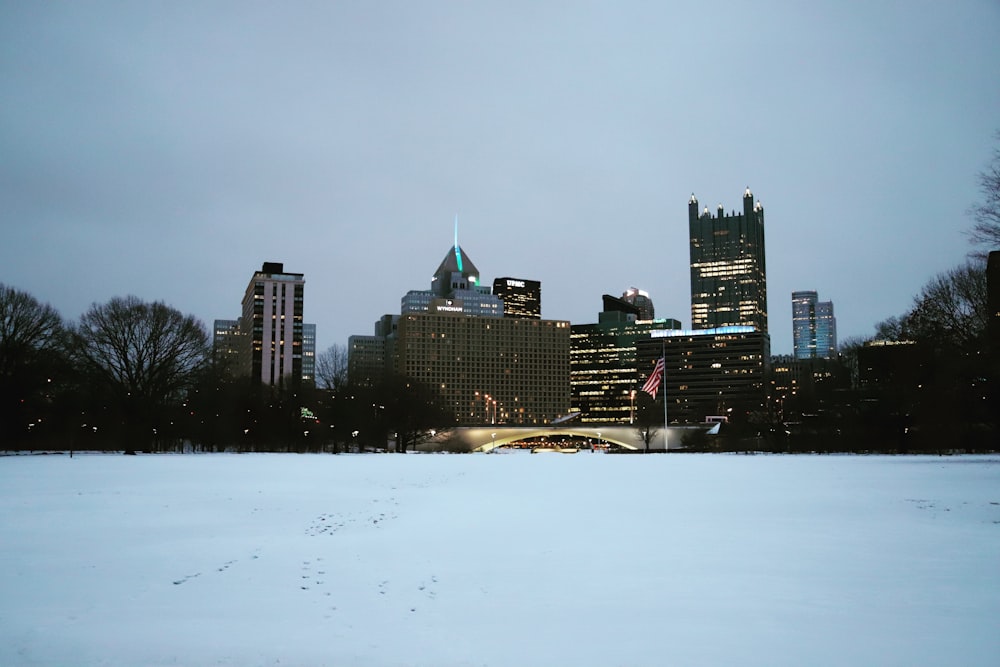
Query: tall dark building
x=728 y=273
x=521 y=298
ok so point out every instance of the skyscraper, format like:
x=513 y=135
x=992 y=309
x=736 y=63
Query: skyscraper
x=272 y=325
x=455 y=288
x=814 y=328
x=520 y=297
x=728 y=273
x=457 y=340
x=640 y=299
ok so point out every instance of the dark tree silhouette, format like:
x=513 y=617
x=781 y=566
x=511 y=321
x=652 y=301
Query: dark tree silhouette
x=648 y=419
x=30 y=334
x=331 y=368
x=411 y=410
x=141 y=359
x=986 y=231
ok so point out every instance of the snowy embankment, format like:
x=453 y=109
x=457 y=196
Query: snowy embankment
x=499 y=560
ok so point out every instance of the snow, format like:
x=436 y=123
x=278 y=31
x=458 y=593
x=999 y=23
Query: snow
x=473 y=560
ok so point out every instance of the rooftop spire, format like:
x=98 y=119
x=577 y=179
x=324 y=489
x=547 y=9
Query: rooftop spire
x=458 y=250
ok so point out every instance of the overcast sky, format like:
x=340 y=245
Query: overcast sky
x=168 y=149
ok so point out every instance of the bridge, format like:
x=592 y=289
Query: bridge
x=485 y=438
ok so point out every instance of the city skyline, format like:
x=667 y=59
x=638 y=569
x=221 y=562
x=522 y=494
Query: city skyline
x=161 y=150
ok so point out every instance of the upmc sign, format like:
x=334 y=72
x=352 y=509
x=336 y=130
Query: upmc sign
x=515 y=283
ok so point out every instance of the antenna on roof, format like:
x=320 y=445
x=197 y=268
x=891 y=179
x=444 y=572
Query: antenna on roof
x=458 y=251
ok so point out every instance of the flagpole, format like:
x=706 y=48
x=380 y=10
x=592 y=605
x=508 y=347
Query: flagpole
x=663 y=379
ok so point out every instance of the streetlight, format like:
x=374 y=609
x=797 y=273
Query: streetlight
x=631 y=409
x=493 y=445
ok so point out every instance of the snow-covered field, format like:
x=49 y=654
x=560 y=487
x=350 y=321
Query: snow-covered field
x=499 y=560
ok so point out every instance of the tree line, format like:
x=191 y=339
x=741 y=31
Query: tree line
x=137 y=376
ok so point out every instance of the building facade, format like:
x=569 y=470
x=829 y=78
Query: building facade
x=272 y=325
x=491 y=361
x=604 y=364
x=368 y=358
x=814 y=327
x=456 y=288
x=227 y=345
x=710 y=373
x=728 y=270
x=520 y=297
x=309 y=353
x=489 y=370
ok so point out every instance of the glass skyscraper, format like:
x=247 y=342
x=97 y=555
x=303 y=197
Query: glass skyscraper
x=814 y=328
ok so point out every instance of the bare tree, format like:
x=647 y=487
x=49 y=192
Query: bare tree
x=144 y=355
x=951 y=309
x=648 y=420
x=986 y=231
x=331 y=368
x=29 y=338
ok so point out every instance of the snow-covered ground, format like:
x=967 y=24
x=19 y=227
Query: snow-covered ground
x=437 y=560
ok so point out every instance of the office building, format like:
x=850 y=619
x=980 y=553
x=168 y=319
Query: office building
x=640 y=299
x=272 y=325
x=227 y=345
x=455 y=288
x=520 y=297
x=368 y=359
x=814 y=328
x=603 y=362
x=710 y=372
x=489 y=365
x=309 y=353
x=489 y=370
x=728 y=273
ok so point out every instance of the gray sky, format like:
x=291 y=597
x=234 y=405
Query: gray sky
x=167 y=149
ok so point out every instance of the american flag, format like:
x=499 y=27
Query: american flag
x=655 y=378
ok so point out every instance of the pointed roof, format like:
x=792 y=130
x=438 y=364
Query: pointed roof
x=456 y=261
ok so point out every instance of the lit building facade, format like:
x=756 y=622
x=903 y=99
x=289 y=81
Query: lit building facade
x=309 y=353
x=489 y=370
x=489 y=364
x=713 y=372
x=456 y=288
x=520 y=297
x=272 y=325
x=728 y=271
x=604 y=363
x=227 y=345
x=814 y=327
